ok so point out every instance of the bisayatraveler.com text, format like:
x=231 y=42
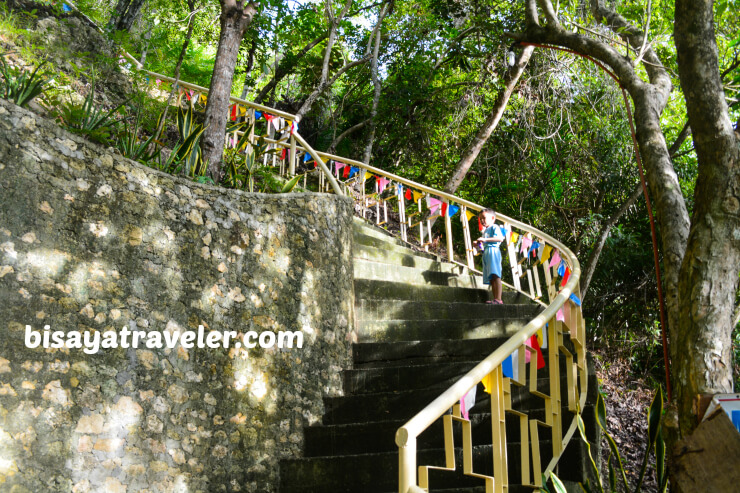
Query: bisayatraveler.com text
x=92 y=341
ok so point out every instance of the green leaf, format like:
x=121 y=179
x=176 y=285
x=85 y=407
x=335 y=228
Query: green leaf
x=557 y=484
x=288 y=187
x=660 y=462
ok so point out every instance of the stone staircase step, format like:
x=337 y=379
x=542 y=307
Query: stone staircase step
x=405 y=330
x=373 y=249
x=408 y=352
x=388 y=378
x=370 y=289
x=360 y=438
x=404 y=404
x=440 y=310
x=378 y=472
x=367 y=269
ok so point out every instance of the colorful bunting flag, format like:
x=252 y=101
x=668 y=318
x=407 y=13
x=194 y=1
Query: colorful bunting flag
x=444 y=209
x=535 y=248
x=417 y=196
x=433 y=204
x=514 y=237
x=566 y=276
x=510 y=366
x=353 y=171
x=467 y=402
x=338 y=166
x=257 y=115
x=283 y=154
x=546 y=254
x=534 y=344
x=575 y=299
x=382 y=183
x=560 y=316
x=345 y=173
x=306 y=157
x=526 y=242
x=561 y=268
x=368 y=175
x=408 y=195
x=542 y=337
x=555 y=258
x=454 y=209
x=469 y=215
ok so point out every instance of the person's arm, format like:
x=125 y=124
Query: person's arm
x=492 y=239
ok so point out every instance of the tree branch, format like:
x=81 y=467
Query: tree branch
x=593 y=258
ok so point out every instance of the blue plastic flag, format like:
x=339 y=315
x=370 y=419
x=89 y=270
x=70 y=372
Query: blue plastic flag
x=352 y=171
x=257 y=115
x=453 y=209
x=306 y=157
x=507 y=367
x=575 y=299
x=66 y=8
x=561 y=268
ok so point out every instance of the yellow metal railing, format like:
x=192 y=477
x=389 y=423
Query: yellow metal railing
x=560 y=319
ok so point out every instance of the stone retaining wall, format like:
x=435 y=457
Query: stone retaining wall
x=92 y=242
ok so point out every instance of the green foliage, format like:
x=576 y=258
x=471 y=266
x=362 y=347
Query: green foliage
x=88 y=120
x=187 y=150
x=18 y=85
x=131 y=146
x=242 y=161
x=655 y=441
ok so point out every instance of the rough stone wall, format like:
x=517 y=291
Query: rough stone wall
x=93 y=242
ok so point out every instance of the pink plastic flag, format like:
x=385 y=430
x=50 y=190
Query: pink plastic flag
x=467 y=402
x=338 y=166
x=560 y=315
x=555 y=259
x=526 y=243
x=382 y=183
x=434 y=204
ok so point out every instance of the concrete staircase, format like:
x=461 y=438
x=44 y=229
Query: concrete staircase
x=421 y=325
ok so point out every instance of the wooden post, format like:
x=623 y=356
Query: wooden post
x=292 y=153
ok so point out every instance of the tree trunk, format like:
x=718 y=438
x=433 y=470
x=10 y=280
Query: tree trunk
x=125 y=14
x=702 y=347
x=178 y=66
x=480 y=139
x=235 y=18
x=376 y=86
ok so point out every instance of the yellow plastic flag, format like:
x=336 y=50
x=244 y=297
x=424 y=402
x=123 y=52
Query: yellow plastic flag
x=204 y=98
x=368 y=175
x=487 y=383
x=417 y=195
x=514 y=237
x=469 y=214
x=546 y=255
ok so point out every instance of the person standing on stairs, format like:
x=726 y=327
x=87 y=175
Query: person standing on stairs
x=491 y=239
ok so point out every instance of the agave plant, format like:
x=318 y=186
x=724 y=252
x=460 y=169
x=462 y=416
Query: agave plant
x=243 y=160
x=655 y=440
x=20 y=86
x=89 y=120
x=130 y=146
x=188 y=148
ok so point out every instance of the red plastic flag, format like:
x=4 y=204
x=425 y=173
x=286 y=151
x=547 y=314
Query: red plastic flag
x=444 y=209
x=534 y=344
x=566 y=276
x=345 y=172
x=408 y=195
x=233 y=113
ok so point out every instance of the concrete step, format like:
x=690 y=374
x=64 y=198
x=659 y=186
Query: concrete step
x=408 y=330
x=362 y=438
x=373 y=473
x=370 y=289
x=367 y=269
x=389 y=378
x=406 y=353
x=404 y=404
x=380 y=310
